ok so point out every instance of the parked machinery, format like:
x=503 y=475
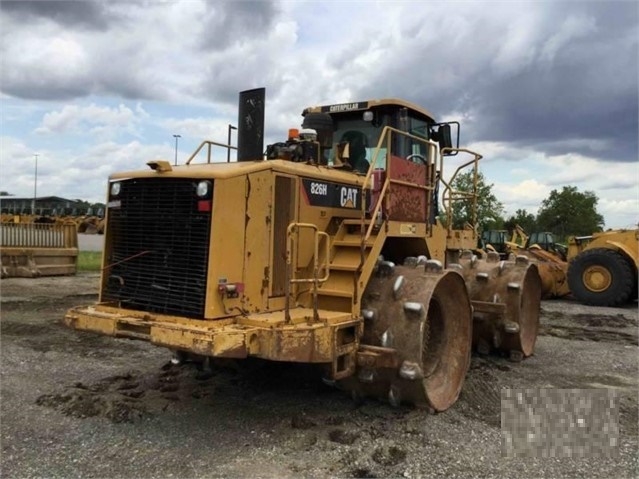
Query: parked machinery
x=602 y=268
x=329 y=251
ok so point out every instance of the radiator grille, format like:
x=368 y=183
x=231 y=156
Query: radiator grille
x=159 y=244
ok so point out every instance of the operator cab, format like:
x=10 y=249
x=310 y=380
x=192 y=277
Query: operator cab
x=546 y=241
x=360 y=125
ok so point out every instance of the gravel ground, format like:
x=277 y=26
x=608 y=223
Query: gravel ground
x=77 y=404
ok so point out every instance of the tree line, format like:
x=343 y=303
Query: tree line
x=564 y=212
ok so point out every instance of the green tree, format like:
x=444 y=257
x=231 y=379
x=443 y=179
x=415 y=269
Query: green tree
x=570 y=212
x=522 y=218
x=489 y=208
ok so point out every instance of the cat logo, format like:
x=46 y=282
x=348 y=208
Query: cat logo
x=348 y=197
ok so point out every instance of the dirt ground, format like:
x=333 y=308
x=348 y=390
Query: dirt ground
x=78 y=404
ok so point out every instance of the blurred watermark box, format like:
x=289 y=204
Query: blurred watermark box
x=560 y=422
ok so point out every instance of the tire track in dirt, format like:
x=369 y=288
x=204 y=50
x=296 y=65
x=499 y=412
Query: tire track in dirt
x=480 y=398
x=583 y=334
x=617 y=328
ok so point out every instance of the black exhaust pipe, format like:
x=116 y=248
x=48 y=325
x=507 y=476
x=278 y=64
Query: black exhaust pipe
x=250 y=125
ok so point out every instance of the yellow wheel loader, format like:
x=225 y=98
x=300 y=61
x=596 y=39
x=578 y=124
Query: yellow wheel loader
x=602 y=268
x=326 y=249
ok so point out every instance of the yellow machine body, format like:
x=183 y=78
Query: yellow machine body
x=276 y=258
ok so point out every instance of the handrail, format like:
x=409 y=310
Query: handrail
x=316 y=267
x=209 y=143
x=449 y=195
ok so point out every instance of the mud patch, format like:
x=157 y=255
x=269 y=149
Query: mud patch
x=335 y=420
x=128 y=397
x=480 y=398
x=342 y=436
x=597 y=321
x=581 y=334
x=84 y=343
x=389 y=455
x=81 y=403
x=362 y=472
x=302 y=422
x=600 y=318
x=11 y=328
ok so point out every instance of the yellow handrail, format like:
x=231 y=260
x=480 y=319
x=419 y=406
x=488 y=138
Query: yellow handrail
x=449 y=195
x=208 y=155
x=316 y=267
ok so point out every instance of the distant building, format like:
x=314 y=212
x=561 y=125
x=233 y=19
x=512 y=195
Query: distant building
x=44 y=206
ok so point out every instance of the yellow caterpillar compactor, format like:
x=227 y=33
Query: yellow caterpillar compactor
x=327 y=249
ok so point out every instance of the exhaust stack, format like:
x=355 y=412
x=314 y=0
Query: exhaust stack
x=250 y=125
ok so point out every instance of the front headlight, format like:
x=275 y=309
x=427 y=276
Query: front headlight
x=203 y=189
x=115 y=188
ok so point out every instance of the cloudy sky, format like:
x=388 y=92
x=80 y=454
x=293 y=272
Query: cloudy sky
x=547 y=91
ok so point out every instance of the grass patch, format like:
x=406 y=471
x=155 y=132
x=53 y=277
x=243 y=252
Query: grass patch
x=89 y=261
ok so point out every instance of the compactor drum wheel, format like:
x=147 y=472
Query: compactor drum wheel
x=506 y=298
x=423 y=313
x=601 y=277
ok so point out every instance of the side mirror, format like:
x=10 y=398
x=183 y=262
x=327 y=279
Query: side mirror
x=445 y=140
x=444 y=136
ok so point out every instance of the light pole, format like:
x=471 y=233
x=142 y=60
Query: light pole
x=176 y=143
x=228 y=148
x=35 y=185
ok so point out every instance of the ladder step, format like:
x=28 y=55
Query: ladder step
x=357 y=237
x=355 y=221
x=344 y=266
x=353 y=243
x=335 y=292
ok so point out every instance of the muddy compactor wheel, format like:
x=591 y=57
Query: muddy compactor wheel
x=424 y=314
x=506 y=299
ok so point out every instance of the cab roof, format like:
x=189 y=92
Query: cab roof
x=369 y=104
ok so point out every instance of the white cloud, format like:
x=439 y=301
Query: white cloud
x=199 y=128
x=625 y=212
x=85 y=170
x=527 y=194
x=58 y=55
x=97 y=120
